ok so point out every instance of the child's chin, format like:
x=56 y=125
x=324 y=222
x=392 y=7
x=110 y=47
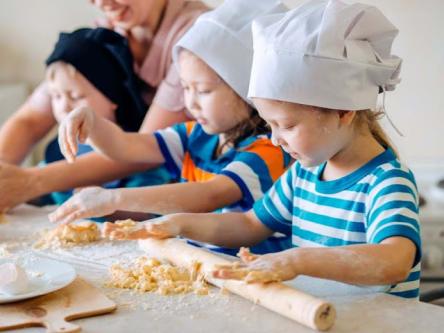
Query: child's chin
x=209 y=130
x=309 y=163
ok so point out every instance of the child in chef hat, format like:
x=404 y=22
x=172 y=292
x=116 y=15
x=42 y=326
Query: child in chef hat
x=225 y=159
x=349 y=204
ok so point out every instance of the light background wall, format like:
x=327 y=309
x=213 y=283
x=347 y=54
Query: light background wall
x=28 y=30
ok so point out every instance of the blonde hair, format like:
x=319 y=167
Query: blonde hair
x=370 y=119
x=52 y=68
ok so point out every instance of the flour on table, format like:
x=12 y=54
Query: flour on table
x=151 y=275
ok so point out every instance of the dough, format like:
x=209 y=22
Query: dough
x=13 y=279
x=151 y=275
x=127 y=226
x=70 y=234
x=239 y=270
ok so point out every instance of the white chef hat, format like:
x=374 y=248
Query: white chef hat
x=222 y=38
x=324 y=53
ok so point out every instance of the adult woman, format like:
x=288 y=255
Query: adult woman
x=152 y=27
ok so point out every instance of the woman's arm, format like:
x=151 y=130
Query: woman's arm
x=163 y=199
x=18 y=135
x=20 y=185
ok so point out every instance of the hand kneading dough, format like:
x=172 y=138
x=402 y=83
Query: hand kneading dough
x=13 y=279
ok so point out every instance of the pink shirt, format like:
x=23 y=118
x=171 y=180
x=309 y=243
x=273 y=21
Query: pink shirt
x=157 y=69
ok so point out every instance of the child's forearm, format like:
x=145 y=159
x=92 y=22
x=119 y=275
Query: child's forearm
x=231 y=230
x=369 y=264
x=109 y=139
x=193 y=197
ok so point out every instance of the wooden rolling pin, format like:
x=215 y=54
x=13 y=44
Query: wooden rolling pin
x=289 y=302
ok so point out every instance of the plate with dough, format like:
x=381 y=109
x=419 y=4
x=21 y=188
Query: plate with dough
x=32 y=277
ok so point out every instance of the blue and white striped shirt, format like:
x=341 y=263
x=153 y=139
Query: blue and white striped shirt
x=375 y=202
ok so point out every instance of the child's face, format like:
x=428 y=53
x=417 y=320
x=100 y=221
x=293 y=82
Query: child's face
x=126 y=14
x=210 y=100
x=306 y=133
x=69 y=89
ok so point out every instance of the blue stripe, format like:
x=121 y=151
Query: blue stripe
x=398 y=230
x=348 y=205
x=413 y=276
x=321 y=239
x=329 y=221
x=414 y=293
x=285 y=201
x=305 y=174
x=170 y=164
x=258 y=165
x=269 y=221
x=183 y=135
x=246 y=194
x=401 y=205
x=395 y=173
x=393 y=189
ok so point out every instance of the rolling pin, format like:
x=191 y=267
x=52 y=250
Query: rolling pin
x=289 y=302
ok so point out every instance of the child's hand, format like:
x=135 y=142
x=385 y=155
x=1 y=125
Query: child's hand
x=160 y=228
x=267 y=268
x=77 y=125
x=89 y=202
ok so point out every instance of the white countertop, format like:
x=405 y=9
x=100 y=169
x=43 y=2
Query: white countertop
x=358 y=309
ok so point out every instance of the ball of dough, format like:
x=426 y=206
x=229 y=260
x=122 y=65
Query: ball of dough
x=13 y=279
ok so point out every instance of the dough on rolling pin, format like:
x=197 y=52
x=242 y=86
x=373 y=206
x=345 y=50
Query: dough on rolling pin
x=69 y=234
x=13 y=279
x=151 y=275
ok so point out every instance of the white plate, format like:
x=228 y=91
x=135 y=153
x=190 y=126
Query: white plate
x=45 y=276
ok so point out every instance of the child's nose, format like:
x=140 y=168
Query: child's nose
x=275 y=138
x=193 y=104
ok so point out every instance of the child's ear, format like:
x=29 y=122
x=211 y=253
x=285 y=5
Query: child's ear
x=346 y=117
x=113 y=107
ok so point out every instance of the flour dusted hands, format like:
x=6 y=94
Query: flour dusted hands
x=76 y=127
x=89 y=202
x=162 y=227
x=253 y=268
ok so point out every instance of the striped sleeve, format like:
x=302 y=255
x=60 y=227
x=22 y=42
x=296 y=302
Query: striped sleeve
x=173 y=142
x=255 y=168
x=275 y=209
x=393 y=210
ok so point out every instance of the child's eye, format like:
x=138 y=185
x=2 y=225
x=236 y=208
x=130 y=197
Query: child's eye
x=287 y=127
x=77 y=97
x=204 y=92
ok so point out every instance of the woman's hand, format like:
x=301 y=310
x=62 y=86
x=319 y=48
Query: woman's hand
x=160 y=228
x=273 y=267
x=76 y=126
x=89 y=202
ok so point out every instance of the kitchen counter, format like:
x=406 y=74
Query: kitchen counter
x=358 y=309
